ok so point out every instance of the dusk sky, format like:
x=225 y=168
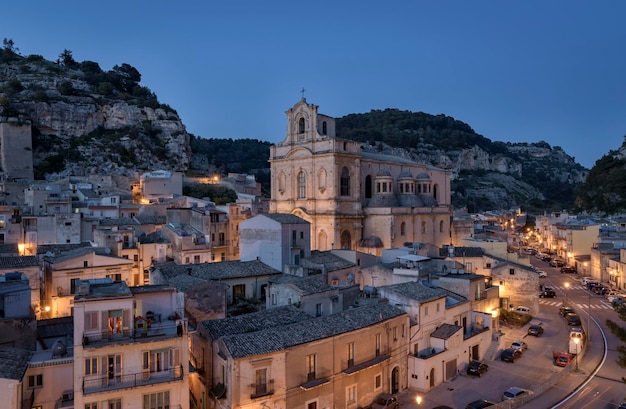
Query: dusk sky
x=523 y=71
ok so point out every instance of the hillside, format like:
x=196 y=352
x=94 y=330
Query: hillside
x=486 y=175
x=605 y=188
x=87 y=120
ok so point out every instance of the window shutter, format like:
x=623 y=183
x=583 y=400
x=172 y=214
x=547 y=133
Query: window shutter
x=126 y=319
x=104 y=325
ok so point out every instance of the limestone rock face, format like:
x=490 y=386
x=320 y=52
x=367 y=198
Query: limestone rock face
x=118 y=132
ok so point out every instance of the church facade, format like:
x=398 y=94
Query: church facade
x=354 y=199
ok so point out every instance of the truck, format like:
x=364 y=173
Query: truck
x=576 y=340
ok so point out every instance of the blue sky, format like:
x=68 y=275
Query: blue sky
x=518 y=71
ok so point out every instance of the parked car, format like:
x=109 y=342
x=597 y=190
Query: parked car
x=514 y=392
x=568 y=270
x=536 y=330
x=542 y=274
x=520 y=345
x=385 y=401
x=573 y=319
x=557 y=263
x=522 y=310
x=547 y=294
x=510 y=355
x=479 y=404
x=477 y=368
x=562 y=359
x=622 y=406
x=564 y=310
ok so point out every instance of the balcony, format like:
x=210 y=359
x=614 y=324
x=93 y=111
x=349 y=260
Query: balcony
x=116 y=382
x=262 y=389
x=155 y=332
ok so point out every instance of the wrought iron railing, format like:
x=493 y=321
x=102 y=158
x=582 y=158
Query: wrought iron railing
x=124 y=381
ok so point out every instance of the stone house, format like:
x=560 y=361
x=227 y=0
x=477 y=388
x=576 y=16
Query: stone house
x=341 y=360
x=61 y=272
x=275 y=239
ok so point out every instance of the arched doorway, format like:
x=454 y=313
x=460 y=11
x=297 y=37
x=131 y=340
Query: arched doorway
x=395 y=380
x=432 y=377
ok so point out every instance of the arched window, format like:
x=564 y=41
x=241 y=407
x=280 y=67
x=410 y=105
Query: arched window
x=301 y=185
x=441 y=226
x=324 y=128
x=344 y=183
x=402 y=229
x=436 y=192
x=368 y=187
x=346 y=240
x=301 y=125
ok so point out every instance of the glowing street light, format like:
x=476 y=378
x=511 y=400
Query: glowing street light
x=418 y=400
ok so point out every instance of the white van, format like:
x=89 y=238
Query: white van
x=522 y=310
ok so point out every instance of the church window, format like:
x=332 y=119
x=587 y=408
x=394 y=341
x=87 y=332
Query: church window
x=441 y=226
x=345 y=182
x=402 y=229
x=301 y=125
x=435 y=192
x=368 y=187
x=419 y=188
x=301 y=185
x=423 y=227
x=324 y=128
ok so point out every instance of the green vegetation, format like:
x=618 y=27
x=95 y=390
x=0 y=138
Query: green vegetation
x=218 y=194
x=605 y=187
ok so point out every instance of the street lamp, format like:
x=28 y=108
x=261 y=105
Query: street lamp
x=418 y=400
x=576 y=341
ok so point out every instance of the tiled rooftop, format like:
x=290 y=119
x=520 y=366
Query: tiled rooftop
x=285 y=218
x=282 y=337
x=270 y=318
x=60 y=248
x=416 y=291
x=445 y=331
x=13 y=363
x=116 y=289
x=218 y=271
x=17 y=261
x=55 y=327
x=122 y=221
x=311 y=285
x=151 y=219
x=330 y=261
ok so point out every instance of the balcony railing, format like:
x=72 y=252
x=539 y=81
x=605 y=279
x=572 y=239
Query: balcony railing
x=126 y=381
x=262 y=389
x=155 y=331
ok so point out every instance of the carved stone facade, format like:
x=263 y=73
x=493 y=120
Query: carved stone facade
x=354 y=199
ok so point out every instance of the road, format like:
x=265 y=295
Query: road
x=603 y=388
x=596 y=385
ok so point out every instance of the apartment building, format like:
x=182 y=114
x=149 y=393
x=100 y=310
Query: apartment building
x=130 y=347
x=283 y=359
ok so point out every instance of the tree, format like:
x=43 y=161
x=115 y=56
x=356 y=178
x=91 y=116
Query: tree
x=66 y=59
x=9 y=46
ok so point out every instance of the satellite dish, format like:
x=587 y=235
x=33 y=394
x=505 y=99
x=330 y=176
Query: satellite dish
x=107 y=250
x=59 y=349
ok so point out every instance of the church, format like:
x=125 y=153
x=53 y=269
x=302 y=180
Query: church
x=354 y=199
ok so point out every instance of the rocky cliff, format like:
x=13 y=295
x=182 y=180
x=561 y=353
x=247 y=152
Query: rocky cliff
x=85 y=120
